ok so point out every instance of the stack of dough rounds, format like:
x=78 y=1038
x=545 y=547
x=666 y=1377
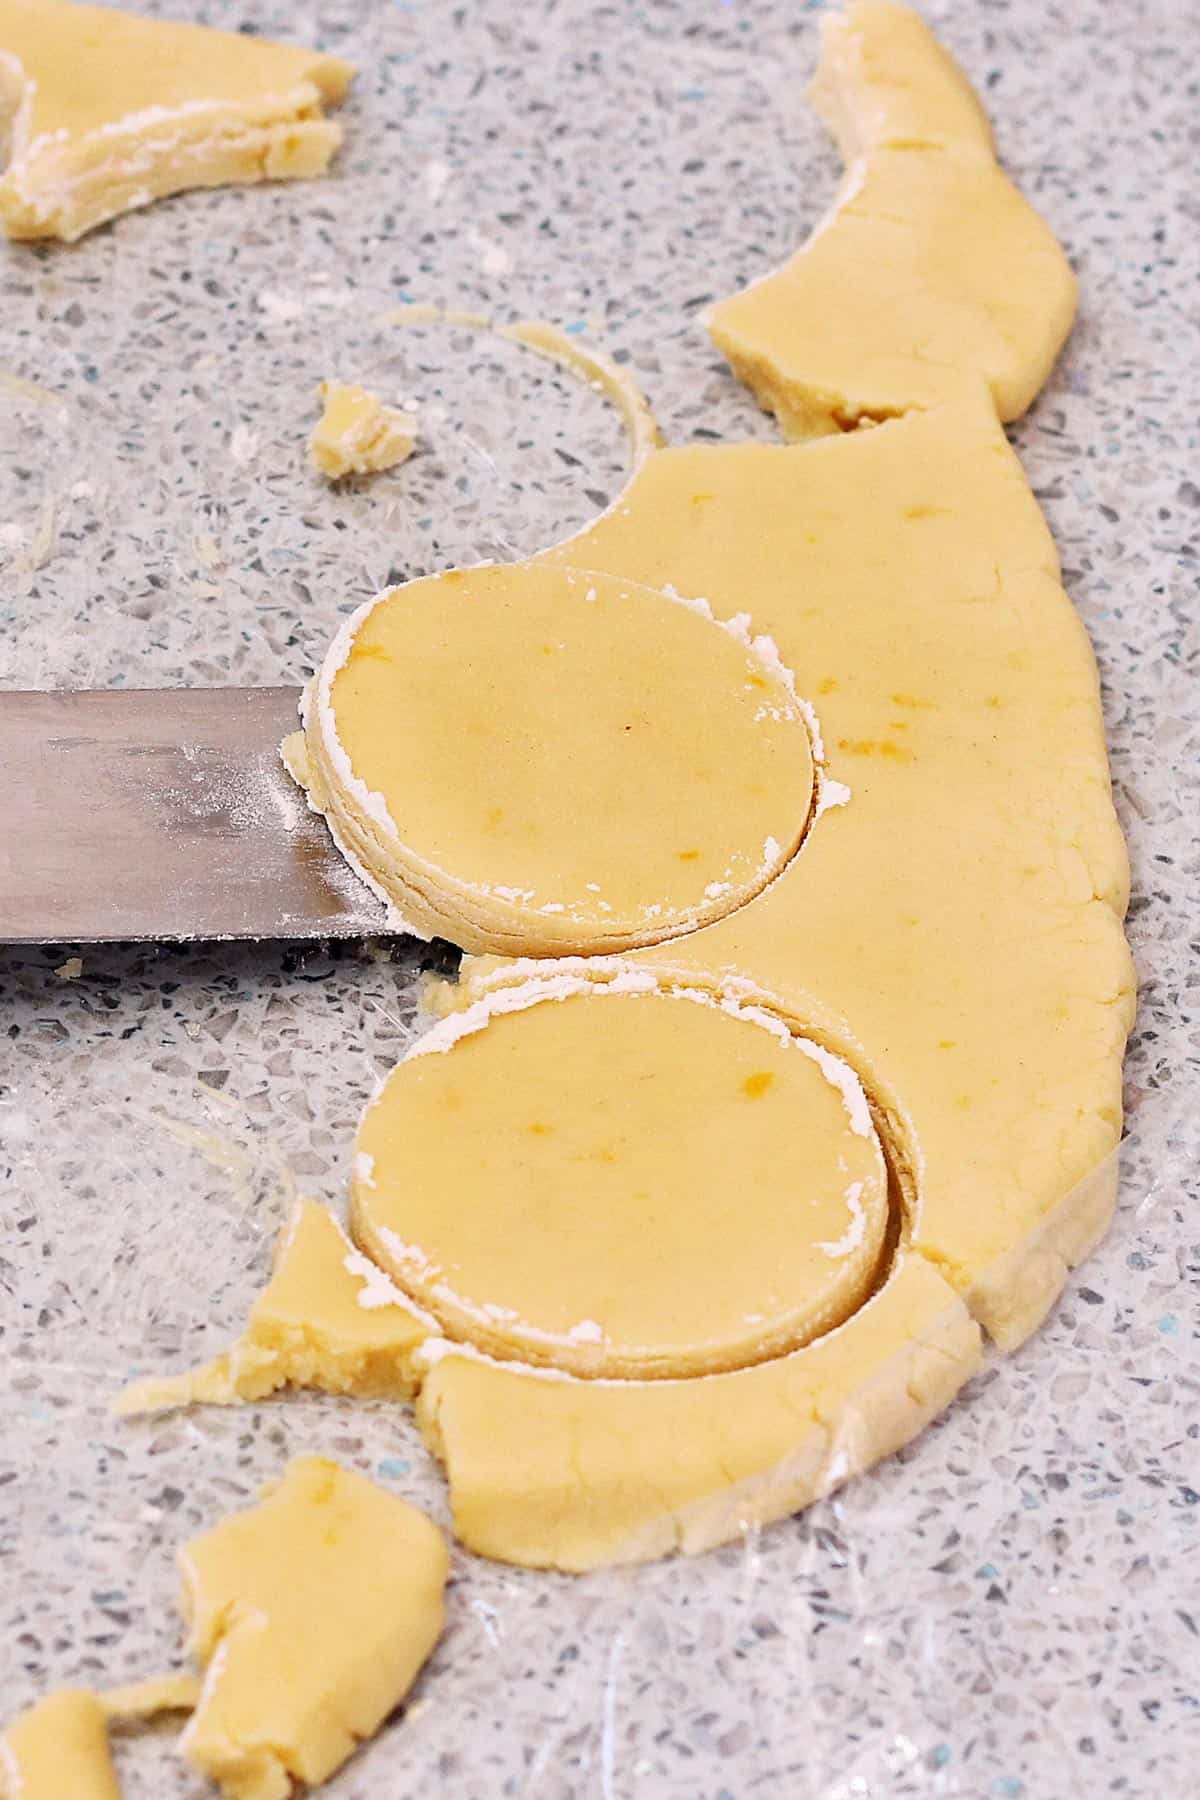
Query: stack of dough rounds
x=623 y=1181
x=535 y=760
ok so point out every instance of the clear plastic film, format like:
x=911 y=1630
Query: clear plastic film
x=1002 y=1609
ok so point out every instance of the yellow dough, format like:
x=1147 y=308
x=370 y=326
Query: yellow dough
x=957 y=925
x=327 y=1319
x=512 y=756
x=59 y=1748
x=954 y=932
x=311 y=1614
x=885 y=83
x=666 y=1298
x=709 y=1194
x=951 y=932
x=574 y=1474
x=930 y=266
x=357 y=434
x=600 y=373
x=106 y=111
x=572 y=353
x=143 y=1699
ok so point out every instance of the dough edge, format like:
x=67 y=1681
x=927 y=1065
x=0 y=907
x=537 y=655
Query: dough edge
x=691 y=1508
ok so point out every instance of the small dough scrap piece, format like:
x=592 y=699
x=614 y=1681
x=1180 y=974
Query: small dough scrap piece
x=106 y=111
x=357 y=434
x=59 y=1748
x=622 y=1180
x=145 y=1699
x=311 y=1614
x=931 y=267
x=568 y=1474
x=326 y=1319
x=599 y=371
x=526 y=759
x=615 y=381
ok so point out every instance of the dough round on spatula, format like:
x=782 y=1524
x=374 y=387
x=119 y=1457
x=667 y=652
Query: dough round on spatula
x=627 y=1184
x=534 y=759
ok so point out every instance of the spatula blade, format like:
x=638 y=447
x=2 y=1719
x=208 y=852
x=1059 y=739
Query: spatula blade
x=163 y=814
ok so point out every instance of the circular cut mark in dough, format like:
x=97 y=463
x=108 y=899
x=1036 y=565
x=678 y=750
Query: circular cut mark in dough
x=623 y=1184
x=538 y=759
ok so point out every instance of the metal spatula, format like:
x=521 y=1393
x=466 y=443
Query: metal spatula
x=163 y=813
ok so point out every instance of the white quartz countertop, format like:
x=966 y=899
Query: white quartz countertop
x=1011 y=1608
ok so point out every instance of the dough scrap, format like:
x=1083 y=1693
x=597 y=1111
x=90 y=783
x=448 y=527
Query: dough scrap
x=357 y=434
x=106 y=111
x=327 y=1320
x=512 y=755
x=599 y=372
x=573 y=1475
x=710 y=1194
x=929 y=268
x=311 y=1614
x=568 y=350
x=59 y=1747
x=145 y=1699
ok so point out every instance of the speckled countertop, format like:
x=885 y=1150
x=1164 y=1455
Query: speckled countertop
x=1010 y=1608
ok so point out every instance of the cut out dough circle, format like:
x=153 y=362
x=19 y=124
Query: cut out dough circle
x=533 y=759
x=626 y=1181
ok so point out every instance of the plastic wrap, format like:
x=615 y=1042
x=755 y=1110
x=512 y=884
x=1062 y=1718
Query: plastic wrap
x=1003 y=1609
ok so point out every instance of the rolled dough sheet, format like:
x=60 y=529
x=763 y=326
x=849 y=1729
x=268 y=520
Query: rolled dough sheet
x=956 y=927
x=146 y=1699
x=512 y=755
x=357 y=434
x=951 y=932
x=885 y=83
x=929 y=266
x=106 y=110
x=622 y=1180
x=311 y=1615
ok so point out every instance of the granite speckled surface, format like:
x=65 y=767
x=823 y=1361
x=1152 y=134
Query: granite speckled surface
x=1011 y=1608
